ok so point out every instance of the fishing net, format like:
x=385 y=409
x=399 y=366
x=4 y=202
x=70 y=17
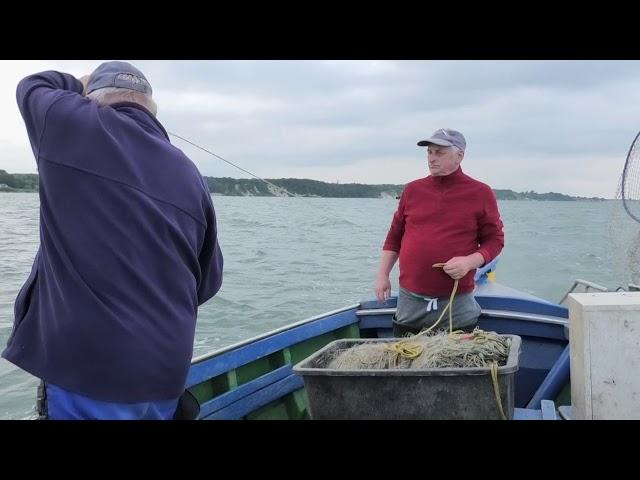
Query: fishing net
x=624 y=229
x=377 y=356
x=629 y=190
x=427 y=350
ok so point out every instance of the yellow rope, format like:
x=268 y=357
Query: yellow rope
x=496 y=388
x=406 y=349
x=448 y=308
x=413 y=350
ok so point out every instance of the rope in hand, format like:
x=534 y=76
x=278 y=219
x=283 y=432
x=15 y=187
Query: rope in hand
x=449 y=306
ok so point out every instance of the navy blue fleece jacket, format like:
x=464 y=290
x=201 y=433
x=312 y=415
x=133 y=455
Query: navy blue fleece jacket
x=128 y=249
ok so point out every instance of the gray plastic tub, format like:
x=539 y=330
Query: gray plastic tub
x=405 y=394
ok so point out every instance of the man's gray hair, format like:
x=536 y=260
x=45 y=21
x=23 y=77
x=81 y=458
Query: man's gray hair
x=111 y=95
x=452 y=147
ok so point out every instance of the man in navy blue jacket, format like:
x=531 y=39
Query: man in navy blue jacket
x=128 y=249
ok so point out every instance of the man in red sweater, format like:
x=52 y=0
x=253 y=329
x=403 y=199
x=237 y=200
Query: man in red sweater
x=447 y=217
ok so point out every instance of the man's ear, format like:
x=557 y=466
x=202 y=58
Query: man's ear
x=84 y=80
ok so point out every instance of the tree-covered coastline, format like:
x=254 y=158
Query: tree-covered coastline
x=298 y=187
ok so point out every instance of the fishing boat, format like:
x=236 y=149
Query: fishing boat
x=254 y=379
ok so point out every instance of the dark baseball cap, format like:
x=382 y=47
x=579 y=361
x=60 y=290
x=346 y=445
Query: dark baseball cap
x=118 y=75
x=445 y=137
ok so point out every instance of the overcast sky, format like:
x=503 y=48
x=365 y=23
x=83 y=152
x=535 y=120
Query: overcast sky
x=562 y=126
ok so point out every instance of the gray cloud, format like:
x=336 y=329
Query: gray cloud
x=538 y=125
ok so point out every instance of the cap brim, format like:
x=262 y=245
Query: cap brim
x=435 y=141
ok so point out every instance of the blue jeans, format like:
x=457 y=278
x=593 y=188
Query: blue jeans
x=64 y=405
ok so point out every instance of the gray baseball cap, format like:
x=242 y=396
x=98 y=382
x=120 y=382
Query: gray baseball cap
x=118 y=75
x=445 y=137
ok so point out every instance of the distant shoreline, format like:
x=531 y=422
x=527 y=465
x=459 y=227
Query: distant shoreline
x=216 y=194
x=296 y=187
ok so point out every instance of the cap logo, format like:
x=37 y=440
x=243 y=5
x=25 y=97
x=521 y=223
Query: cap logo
x=127 y=77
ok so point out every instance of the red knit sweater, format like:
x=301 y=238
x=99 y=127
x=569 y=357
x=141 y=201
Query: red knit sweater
x=439 y=218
